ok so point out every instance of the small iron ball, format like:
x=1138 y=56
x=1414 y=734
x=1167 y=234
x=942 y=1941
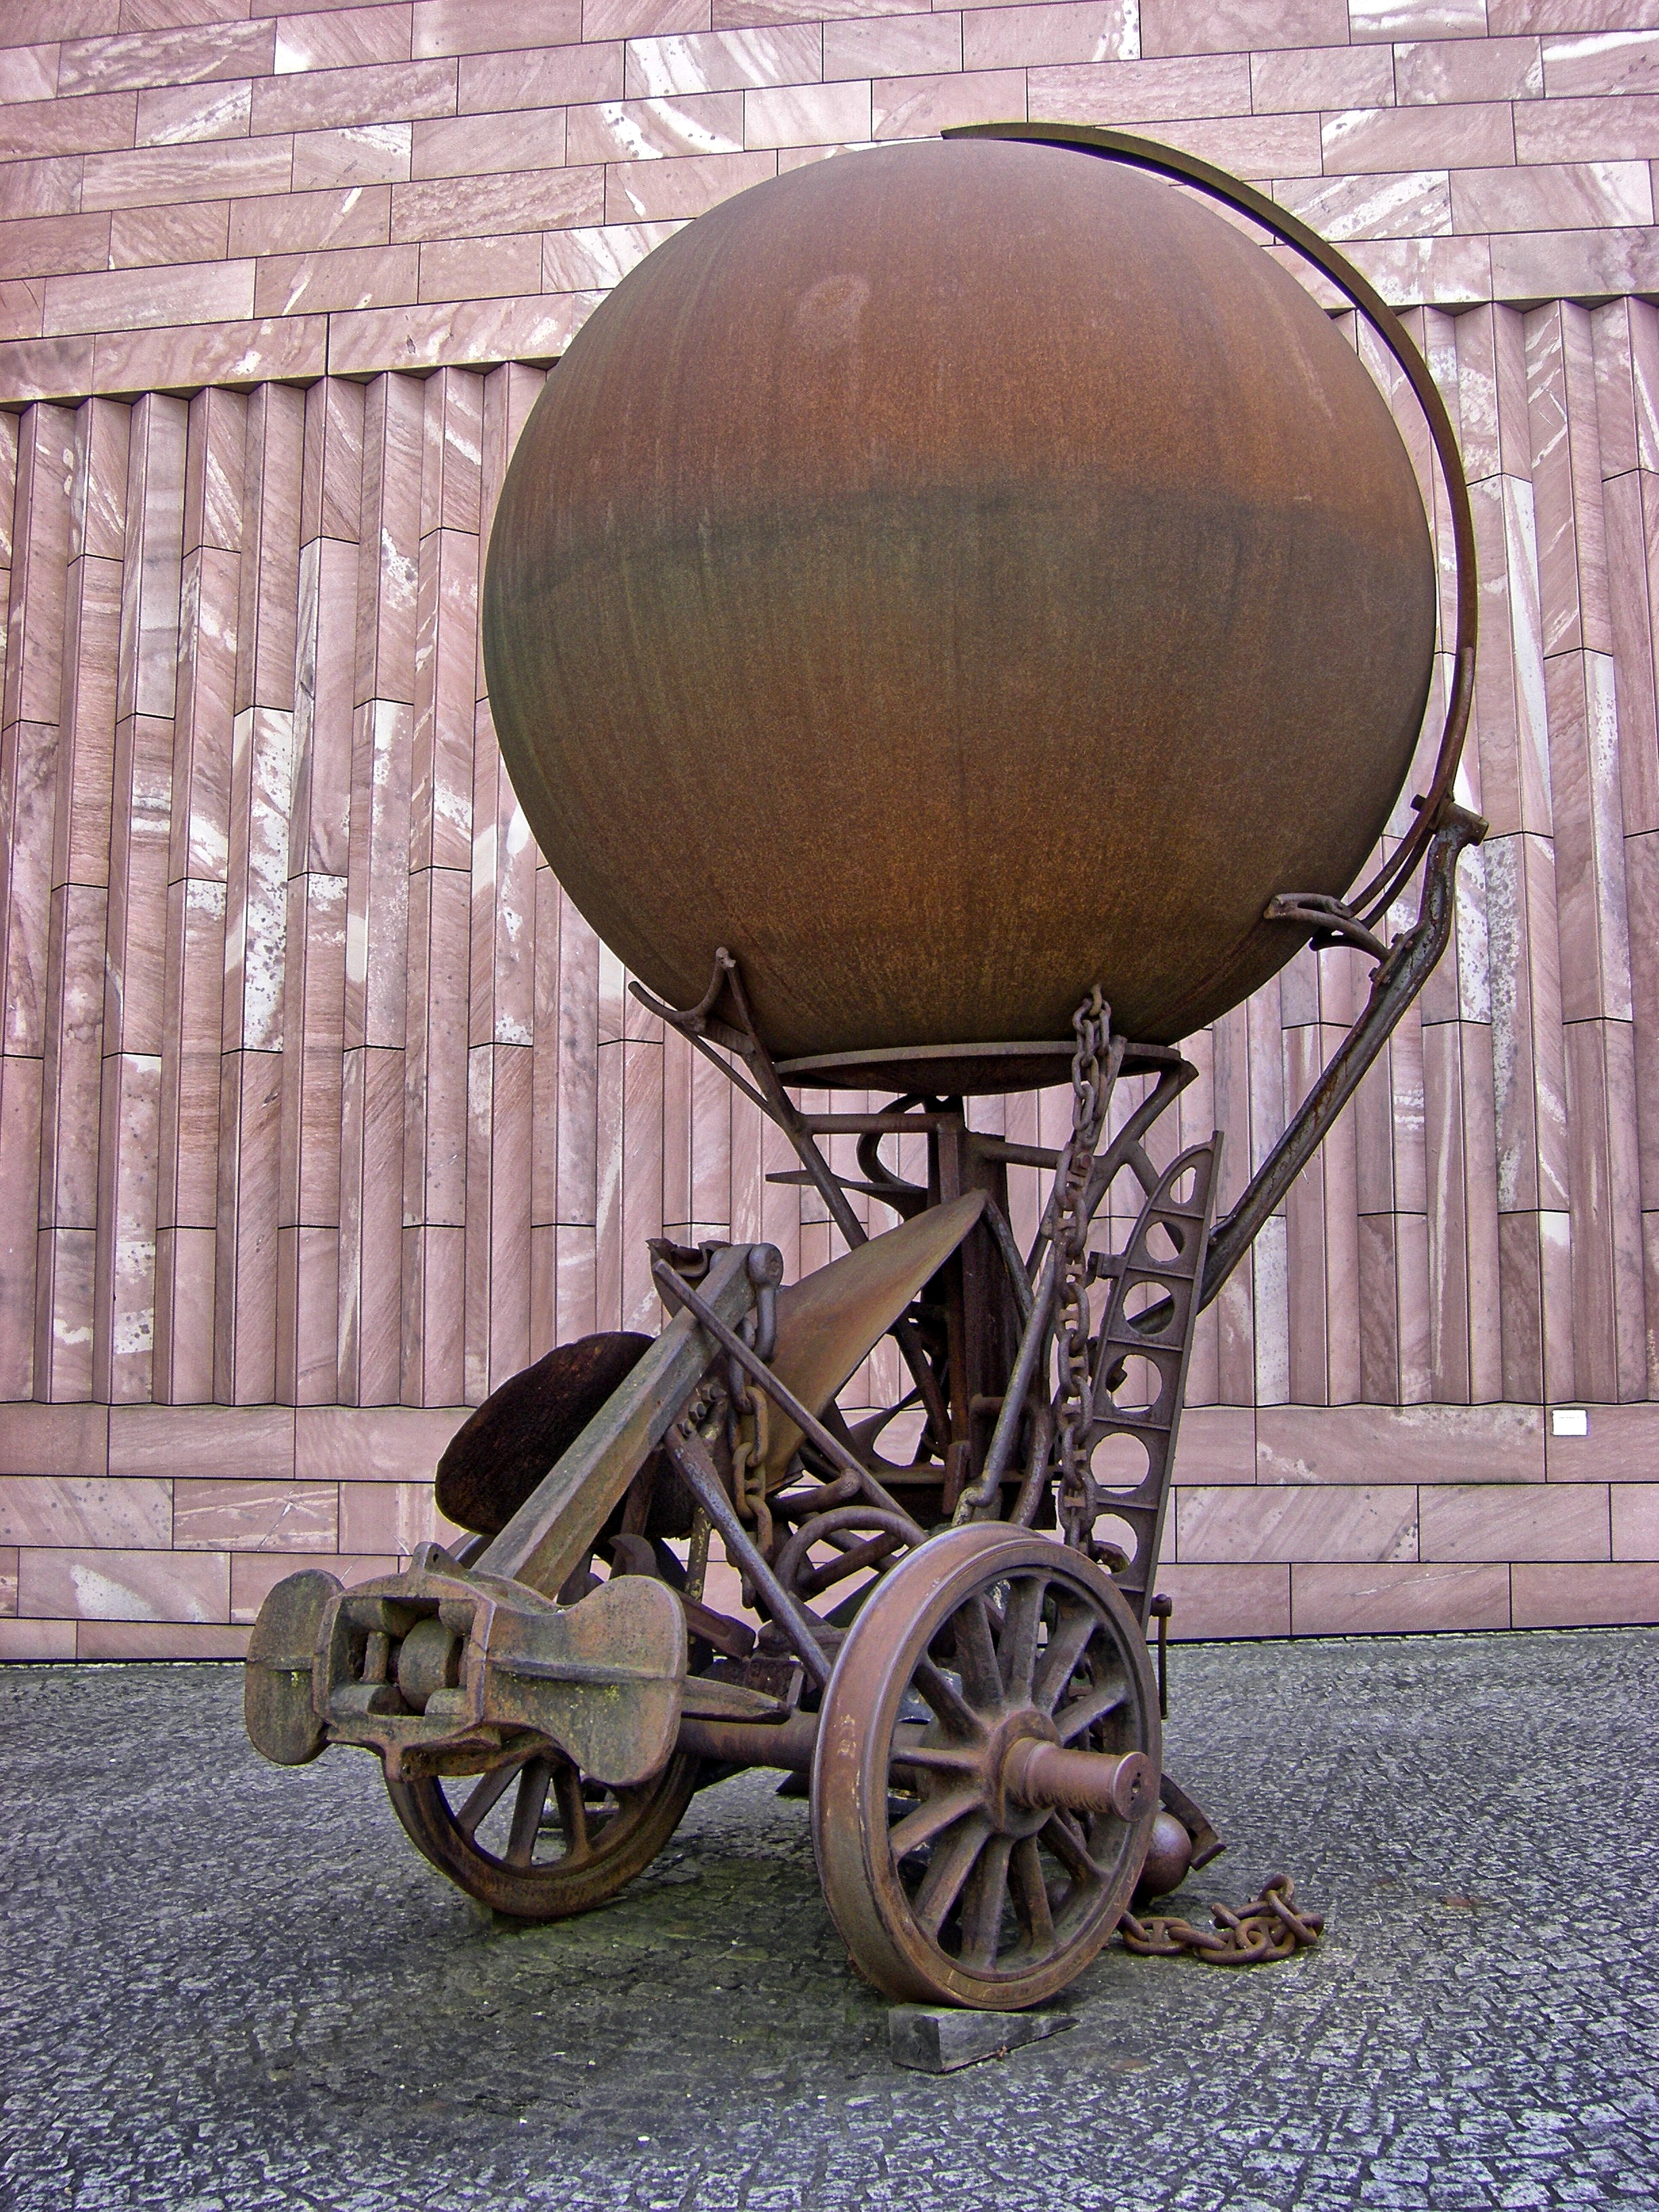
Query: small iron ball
x=1166 y=1862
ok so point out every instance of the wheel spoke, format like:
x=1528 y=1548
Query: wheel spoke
x=983 y=1899
x=1065 y=1840
x=1094 y=1705
x=573 y=1812
x=937 y=1758
x=488 y=1791
x=932 y=1819
x=977 y=1654
x=527 y=1811
x=945 y=1699
x=1071 y=1638
x=1030 y=1892
x=1016 y=1646
x=949 y=1868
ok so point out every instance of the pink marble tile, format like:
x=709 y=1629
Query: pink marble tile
x=8 y=1581
x=1518 y=1521
x=361 y=154
x=482 y=207
x=85 y=1509
x=1417 y=19
x=294 y=347
x=1604 y=1595
x=28 y=20
x=1413 y=205
x=473 y=269
x=141 y=237
x=433 y=1309
x=473 y=26
x=446 y=661
x=1563 y=195
x=643 y=19
x=1401 y=138
x=1467 y=70
x=725 y=61
x=1171 y=27
x=1280 y=1522
x=164 y=56
x=307 y=221
x=627 y=131
x=1582 y=262
x=51 y=186
x=373 y=1443
x=341 y=38
x=1635 y=1520
x=20 y=1156
x=919 y=107
x=1390 y=1599
x=371 y=1214
x=647 y=191
x=1623 y=1442
x=1010 y=38
x=1342 y=76
x=1223 y=1602
x=22 y=307
x=86 y=1585
x=70 y=1440
x=221 y=1516
x=1620 y=127
x=560 y=74
x=472 y=145
x=807 y=115
x=233 y=168
x=358 y=276
x=1412 y=1443
x=28 y=73
x=175 y=115
x=254 y=1575
x=1618 y=61
x=498 y=1267
x=51 y=245
x=1510 y=16
x=250 y=1441
x=322 y=717
x=477 y=333
x=318 y=100
x=45 y=368
x=244 y=1271
x=23 y=1640
x=108 y=1640
x=91 y=124
x=184 y=1316
x=1147 y=91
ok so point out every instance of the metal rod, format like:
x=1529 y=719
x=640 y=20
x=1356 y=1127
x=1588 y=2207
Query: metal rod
x=783 y=1397
x=1393 y=985
x=1033 y=1344
x=694 y=1467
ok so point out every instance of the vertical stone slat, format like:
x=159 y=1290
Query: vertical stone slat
x=197 y=863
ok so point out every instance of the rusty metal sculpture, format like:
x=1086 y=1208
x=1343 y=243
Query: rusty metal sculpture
x=946 y=596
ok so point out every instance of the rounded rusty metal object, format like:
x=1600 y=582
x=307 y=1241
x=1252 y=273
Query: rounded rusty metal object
x=950 y=576
x=988 y=1668
x=1168 y=1860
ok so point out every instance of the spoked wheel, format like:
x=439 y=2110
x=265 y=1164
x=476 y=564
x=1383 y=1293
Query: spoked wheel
x=987 y=1772
x=539 y=1840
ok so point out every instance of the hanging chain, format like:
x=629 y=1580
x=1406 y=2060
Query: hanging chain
x=749 y=1416
x=1094 y=1071
x=1269 y=1927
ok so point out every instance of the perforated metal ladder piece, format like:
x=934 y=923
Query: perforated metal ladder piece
x=1166 y=1346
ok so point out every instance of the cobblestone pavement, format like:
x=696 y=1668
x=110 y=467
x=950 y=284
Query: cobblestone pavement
x=229 y=1986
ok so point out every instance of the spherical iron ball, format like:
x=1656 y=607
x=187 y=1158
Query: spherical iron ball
x=1166 y=1862
x=950 y=576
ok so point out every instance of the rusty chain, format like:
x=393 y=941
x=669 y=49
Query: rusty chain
x=1269 y=1927
x=1094 y=1071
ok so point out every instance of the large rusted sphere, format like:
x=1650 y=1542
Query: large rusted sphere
x=949 y=575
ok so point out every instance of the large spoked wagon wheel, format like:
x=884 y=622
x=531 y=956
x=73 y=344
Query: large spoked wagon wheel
x=987 y=1772
x=539 y=1840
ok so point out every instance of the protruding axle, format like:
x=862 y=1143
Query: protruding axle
x=1037 y=1773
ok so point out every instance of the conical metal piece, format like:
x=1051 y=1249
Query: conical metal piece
x=831 y=1320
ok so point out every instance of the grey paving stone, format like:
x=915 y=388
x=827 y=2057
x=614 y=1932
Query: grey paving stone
x=227 y=1988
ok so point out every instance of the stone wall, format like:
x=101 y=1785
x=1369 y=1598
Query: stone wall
x=321 y=1111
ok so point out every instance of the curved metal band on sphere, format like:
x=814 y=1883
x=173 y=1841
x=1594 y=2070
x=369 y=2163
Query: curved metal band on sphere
x=949 y=576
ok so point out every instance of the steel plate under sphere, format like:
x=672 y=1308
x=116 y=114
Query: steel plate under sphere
x=949 y=576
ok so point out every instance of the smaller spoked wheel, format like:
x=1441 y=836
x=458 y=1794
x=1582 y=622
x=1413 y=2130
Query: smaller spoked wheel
x=987 y=1773
x=539 y=1840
